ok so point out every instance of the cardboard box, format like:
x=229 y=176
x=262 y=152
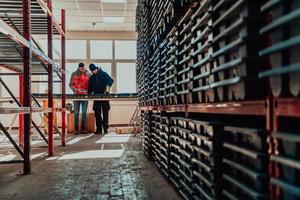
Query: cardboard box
x=127 y=130
x=55 y=121
x=90 y=124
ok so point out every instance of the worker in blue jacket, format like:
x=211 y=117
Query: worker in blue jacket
x=100 y=83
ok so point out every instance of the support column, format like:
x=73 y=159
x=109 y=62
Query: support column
x=63 y=65
x=21 y=116
x=276 y=192
x=27 y=86
x=50 y=79
x=114 y=68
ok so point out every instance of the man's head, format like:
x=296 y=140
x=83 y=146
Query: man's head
x=81 y=67
x=93 y=68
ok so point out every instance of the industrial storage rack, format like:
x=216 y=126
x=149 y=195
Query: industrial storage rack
x=279 y=107
x=20 y=53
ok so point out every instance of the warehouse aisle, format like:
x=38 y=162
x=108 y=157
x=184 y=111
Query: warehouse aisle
x=90 y=167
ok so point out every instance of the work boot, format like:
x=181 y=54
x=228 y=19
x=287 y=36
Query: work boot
x=83 y=131
x=76 y=132
x=98 y=131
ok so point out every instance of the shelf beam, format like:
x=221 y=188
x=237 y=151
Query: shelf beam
x=233 y=108
x=19 y=110
x=258 y=108
x=289 y=107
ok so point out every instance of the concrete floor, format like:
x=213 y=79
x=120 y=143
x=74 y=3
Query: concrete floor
x=90 y=167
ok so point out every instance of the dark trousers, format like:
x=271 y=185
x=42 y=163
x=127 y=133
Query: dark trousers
x=101 y=109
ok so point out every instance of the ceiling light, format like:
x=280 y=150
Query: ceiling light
x=113 y=1
x=113 y=19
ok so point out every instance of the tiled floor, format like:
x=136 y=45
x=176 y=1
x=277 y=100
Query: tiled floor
x=90 y=167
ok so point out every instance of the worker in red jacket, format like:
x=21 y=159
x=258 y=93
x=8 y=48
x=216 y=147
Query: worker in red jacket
x=79 y=83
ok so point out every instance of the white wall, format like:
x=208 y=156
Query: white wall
x=13 y=83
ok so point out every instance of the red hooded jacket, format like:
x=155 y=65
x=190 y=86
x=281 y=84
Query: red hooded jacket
x=79 y=82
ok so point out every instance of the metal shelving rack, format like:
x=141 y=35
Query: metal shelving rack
x=267 y=108
x=272 y=109
x=257 y=108
x=278 y=107
x=20 y=53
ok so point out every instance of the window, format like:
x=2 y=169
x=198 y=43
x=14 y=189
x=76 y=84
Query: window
x=76 y=49
x=126 y=78
x=56 y=49
x=43 y=44
x=43 y=87
x=125 y=49
x=105 y=67
x=101 y=49
x=121 y=67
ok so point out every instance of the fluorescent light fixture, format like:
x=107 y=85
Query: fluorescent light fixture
x=113 y=1
x=113 y=19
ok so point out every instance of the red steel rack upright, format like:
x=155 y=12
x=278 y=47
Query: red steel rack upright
x=283 y=108
x=22 y=55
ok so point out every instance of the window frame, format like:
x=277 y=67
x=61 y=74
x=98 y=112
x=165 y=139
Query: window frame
x=86 y=53
x=115 y=49
x=113 y=61
x=126 y=62
x=90 y=49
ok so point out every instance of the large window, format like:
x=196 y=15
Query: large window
x=101 y=49
x=125 y=49
x=43 y=87
x=126 y=78
x=56 y=49
x=116 y=57
x=43 y=44
x=76 y=49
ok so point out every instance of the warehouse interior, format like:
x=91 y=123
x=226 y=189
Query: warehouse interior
x=199 y=99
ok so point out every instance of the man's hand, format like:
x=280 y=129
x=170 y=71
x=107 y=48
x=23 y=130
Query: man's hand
x=107 y=89
x=79 y=90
